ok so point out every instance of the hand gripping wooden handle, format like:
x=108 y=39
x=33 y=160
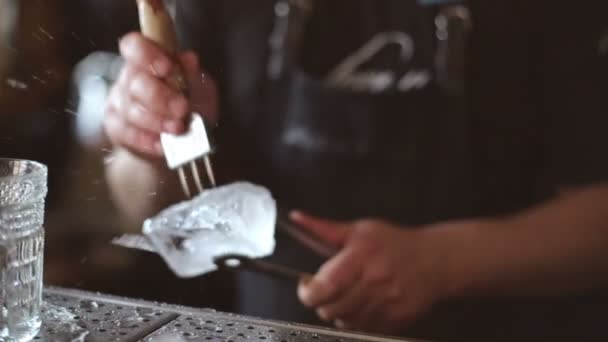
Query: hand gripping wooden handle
x=157 y=25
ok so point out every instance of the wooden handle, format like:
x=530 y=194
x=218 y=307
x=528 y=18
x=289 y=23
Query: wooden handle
x=157 y=25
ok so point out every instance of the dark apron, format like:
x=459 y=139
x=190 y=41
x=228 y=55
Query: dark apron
x=348 y=154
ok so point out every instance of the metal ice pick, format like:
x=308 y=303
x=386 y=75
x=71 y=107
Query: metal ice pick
x=157 y=25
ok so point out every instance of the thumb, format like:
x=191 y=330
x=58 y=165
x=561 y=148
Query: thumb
x=333 y=232
x=203 y=89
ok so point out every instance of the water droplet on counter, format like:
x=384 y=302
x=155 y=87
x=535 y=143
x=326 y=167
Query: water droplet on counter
x=88 y=304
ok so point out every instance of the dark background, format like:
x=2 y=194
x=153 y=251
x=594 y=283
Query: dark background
x=39 y=123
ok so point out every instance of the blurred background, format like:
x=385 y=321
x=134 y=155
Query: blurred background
x=57 y=60
x=51 y=102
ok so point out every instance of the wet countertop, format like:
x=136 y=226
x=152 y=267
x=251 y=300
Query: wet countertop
x=74 y=315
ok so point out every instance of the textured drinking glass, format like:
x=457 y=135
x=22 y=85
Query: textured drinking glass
x=23 y=189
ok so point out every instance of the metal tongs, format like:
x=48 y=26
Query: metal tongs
x=322 y=248
x=232 y=261
x=157 y=25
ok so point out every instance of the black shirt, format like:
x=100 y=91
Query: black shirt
x=531 y=120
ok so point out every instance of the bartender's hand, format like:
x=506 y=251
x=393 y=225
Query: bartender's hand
x=380 y=281
x=141 y=104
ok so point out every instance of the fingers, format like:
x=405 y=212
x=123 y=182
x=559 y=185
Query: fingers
x=140 y=141
x=141 y=104
x=189 y=62
x=333 y=232
x=156 y=96
x=364 y=286
x=366 y=317
x=368 y=287
x=351 y=301
x=144 y=54
x=146 y=66
x=333 y=278
x=146 y=110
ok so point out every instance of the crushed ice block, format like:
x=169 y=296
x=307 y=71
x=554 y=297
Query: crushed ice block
x=237 y=218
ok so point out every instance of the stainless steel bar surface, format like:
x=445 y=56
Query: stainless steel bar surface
x=75 y=315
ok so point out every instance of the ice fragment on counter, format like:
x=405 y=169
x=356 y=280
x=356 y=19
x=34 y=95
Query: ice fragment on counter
x=64 y=323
